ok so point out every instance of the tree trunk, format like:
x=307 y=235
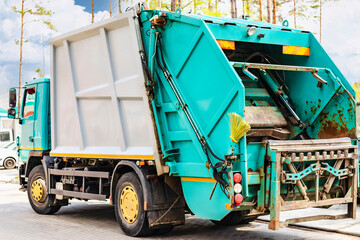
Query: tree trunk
x=295 y=13
x=159 y=4
x=173 y=5
x=110 y=8
x=274 y=12
x=247 y=6
x=233 y=9
x=243 y=8
x=92 y=11
x=179 y=3
x=209 y=5
x=195 y=5
x=320 y=17
x=260 y=10
x=21 y=54
x=216 y=5
x=119 y=6
x=268 y=11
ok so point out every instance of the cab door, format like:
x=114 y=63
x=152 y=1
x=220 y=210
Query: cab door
x=28 y=115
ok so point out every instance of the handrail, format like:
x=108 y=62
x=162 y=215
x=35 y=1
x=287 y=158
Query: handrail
x=282 y=67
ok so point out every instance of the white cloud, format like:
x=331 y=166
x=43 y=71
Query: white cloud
x=67 y=16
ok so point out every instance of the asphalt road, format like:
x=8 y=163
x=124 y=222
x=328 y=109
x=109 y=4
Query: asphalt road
x=96 y=220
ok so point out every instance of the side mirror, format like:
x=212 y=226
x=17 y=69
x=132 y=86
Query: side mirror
x=11 y=113
x=12 y=97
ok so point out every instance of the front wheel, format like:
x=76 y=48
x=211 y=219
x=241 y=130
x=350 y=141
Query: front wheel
x=129 y=206
x=9 y=163
x=40 y=201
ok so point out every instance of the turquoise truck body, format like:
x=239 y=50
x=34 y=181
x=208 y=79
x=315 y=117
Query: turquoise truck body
x=301 y=148
x=211 y=87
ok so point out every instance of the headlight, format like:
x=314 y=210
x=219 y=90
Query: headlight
x=251 y=31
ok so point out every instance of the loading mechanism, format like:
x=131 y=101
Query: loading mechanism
x=268 y=107
x=323 y=171
x=298 y=173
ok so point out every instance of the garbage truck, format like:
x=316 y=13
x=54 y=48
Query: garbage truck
x=165 y=114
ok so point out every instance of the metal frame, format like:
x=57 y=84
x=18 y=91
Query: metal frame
x=295 y=152
x=83 y=174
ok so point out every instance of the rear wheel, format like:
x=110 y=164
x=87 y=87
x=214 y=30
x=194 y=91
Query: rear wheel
x=9 y=163
x=129 y=206
x=40 y=201
x=235 y=218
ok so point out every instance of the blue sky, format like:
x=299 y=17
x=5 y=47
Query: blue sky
x=99 y=5
x=340 y=35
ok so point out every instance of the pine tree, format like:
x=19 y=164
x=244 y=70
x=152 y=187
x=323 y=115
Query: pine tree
x=233 y=9
x=173 y=5
x=92 y=11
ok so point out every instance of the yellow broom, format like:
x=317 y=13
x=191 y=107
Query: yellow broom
x=238 y=127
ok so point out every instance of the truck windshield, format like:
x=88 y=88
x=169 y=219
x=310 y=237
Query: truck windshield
x=28 y=109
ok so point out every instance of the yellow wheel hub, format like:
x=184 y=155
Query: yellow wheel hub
x=38 y=190
x=129 y=204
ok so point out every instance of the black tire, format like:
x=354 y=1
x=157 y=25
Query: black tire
x=46 y=204
x=234 y=218
x=131 y=226
x=9 y=163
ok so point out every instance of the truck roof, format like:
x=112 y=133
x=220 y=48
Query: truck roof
x=243 y=22
x=37 y=80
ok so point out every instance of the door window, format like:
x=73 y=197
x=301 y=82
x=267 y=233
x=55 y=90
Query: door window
x=4 y=136
x=28 y=108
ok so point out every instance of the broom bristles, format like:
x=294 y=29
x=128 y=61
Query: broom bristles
x=238 y=127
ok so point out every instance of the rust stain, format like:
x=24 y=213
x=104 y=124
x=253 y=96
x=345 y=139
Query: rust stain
x=331 y=128
x=313 y=109
x=305 y=112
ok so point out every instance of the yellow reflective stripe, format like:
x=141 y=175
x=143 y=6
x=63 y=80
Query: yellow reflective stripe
x=304 y=51
x=295 y=50
x=194 y=179
x=224 y=44
x=288 y=49
x=31 y=148
x=146 y=157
